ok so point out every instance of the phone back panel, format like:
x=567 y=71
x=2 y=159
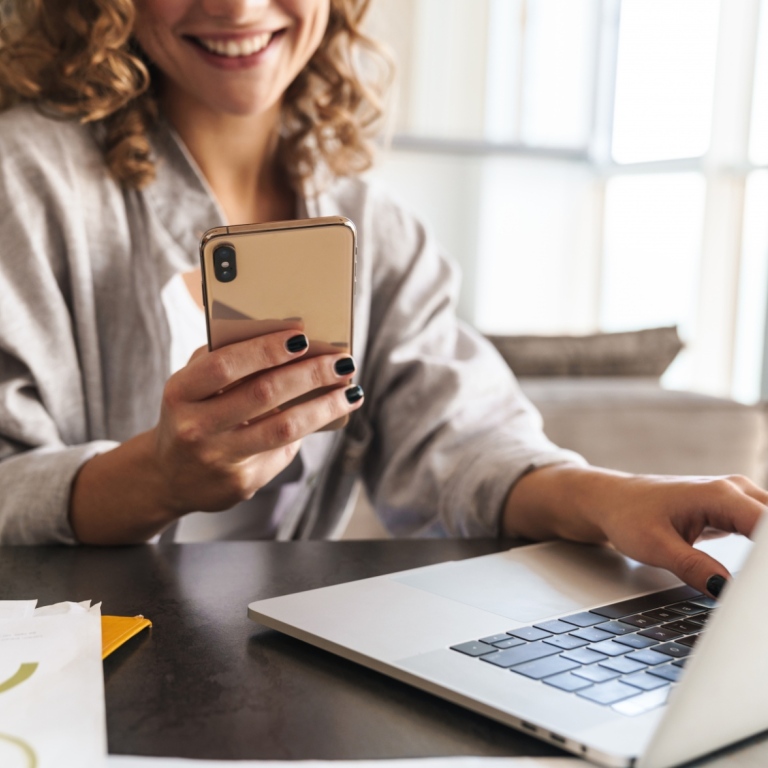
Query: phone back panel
x=297 y=274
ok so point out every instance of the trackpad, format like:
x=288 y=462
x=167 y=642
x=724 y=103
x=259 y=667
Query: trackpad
x=542 y=580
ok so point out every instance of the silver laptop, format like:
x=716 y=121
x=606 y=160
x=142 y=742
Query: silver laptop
x=609 y=659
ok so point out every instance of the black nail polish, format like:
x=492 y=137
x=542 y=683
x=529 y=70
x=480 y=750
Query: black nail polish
x=715 y=585
x=353 y=394
x=297 y=343
x=344 y=367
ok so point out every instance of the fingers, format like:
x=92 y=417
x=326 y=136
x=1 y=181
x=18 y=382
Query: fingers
x=749 y=488
x=289 y=426
x=737 y=506
x=262 y=393
x=207 y=374
x=693 y=566
x=733 y=504
x=667 y=515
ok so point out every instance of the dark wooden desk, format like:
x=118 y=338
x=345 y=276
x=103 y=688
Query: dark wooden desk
x=208 y=682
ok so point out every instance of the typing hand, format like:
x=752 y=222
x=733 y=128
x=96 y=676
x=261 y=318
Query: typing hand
x=655 y=519
x=660 y=518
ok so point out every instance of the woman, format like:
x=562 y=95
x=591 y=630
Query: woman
x=254 y=111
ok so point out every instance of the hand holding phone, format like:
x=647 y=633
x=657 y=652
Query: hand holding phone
x=294 y=275
x=223 y=431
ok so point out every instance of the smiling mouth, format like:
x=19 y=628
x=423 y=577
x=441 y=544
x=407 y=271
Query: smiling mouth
x=236 y=48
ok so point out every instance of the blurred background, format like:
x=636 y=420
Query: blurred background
x=594 y=165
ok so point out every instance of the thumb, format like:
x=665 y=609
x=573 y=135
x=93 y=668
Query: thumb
x=199 y=352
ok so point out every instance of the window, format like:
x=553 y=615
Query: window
x=665 y=77
x=595 y=165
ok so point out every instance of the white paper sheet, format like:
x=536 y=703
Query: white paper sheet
x=17 y=609
x=51 y=686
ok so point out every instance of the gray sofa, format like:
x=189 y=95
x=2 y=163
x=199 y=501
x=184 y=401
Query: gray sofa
x=635 y=425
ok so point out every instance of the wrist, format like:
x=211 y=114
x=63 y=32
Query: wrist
x=566 y=501
x=121 y=497
x=159 y=500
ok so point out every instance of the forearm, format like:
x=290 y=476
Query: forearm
x=119 y=497
x=560 y=501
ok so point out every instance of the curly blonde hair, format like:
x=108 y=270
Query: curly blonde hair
x=77 y=59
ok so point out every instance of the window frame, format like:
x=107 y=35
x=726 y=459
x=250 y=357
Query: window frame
x=725 y=169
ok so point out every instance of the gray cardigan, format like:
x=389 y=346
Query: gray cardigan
x=84 y=346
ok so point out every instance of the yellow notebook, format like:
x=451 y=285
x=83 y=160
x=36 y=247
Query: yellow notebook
x=115 y=630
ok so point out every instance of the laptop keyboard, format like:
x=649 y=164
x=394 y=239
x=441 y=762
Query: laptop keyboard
x=624 y=655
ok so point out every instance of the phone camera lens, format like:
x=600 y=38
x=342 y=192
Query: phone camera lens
x=225 y=263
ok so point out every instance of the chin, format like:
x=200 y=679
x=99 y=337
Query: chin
x=238 y=105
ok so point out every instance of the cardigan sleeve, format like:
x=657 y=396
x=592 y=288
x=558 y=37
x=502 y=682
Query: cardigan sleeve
x=450 y=430
x=44 y=417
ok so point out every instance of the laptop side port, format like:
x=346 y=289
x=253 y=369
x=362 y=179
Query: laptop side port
x=529 y=726
x=556 y=737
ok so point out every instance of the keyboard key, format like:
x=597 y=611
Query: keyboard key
x=583 y=619
x=684 y=627
x=659 y=633
x=529 y=633
x=566 y=642
x=494 y=638
x=585 y=656
x=521 y=654
x=475 y=648
x=643 y=703
x=551 y=665
x=641 y=620
x=667 y=672
x=623 y=665
x=608 y=693
x=662 y=614
x=635 y=641
x=646 y=603
x=686 y=608
x=704 y=601
x=609 y=648
x=555 y=627
x=592 y=634
x=690 y=641
x=700 y=619
x=648 y=656
x=596 y=674
x=510 y=642
x=616 y=627
x=568 y=682
x=679 y=663
x=645 y=680
x=673 y=649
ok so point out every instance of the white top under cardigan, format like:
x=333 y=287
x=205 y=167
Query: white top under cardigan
x=85 y=344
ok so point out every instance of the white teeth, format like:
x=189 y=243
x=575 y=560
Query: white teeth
x=244 y=46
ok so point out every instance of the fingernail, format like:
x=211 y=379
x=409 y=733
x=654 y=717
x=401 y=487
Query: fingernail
x=715 y=585
x=297 y=343
x=353 y=394
x=344 y=367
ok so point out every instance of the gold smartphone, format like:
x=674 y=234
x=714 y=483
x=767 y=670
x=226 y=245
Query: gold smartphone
x=284 y=275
